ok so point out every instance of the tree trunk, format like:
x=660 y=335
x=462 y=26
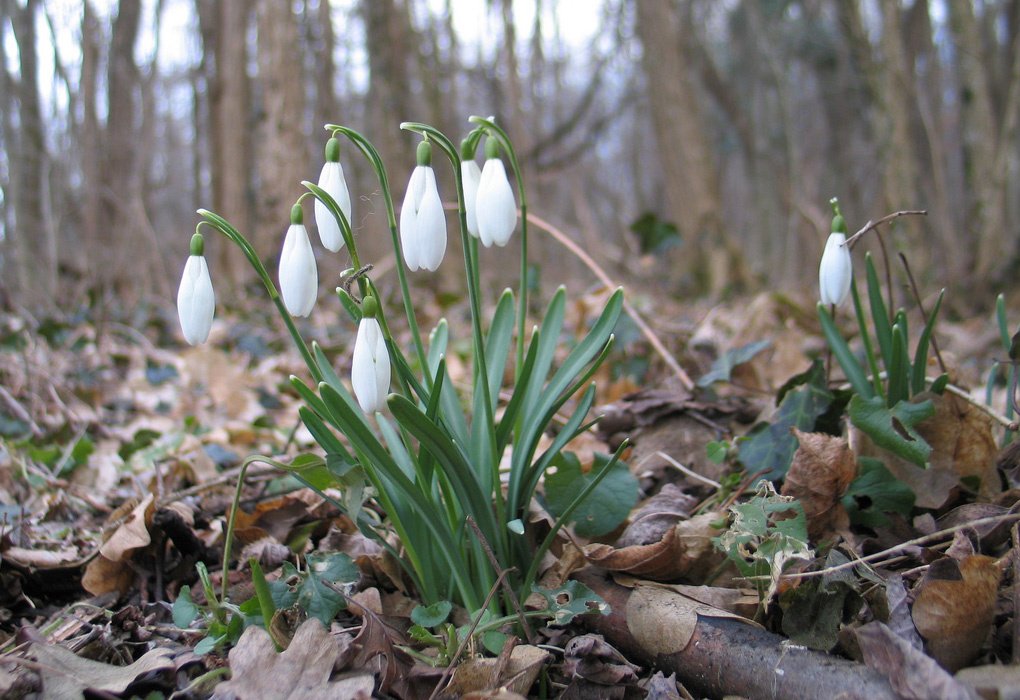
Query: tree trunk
x=34 y=245
x=991 y=241
x=119 y=182
x=282 y=158
x=689 y=175
x=224 y=27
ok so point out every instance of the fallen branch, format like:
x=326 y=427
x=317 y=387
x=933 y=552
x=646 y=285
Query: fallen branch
x=727 y=657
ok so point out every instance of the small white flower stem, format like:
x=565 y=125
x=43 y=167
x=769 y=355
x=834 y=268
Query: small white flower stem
x=495 y=131
x=373 y=157
x=224 y=227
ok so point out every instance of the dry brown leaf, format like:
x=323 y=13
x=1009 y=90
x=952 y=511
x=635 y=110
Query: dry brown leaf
x=913 y=674
x=111 y=569
x=40 y=558
x=300 y=672
x=65 y=675
x=742 y=602
x=823 y=467
x=962 y=439
x=992 y=681
x=663 y=621
x=685 y=551
x=132 y=533
x=954 y=608
x=475 y=675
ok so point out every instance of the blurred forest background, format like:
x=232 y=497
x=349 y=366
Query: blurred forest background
x=689 y=144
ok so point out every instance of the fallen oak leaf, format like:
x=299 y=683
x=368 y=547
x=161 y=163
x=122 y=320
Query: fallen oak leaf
x=111 y=570
x=300 y=672
x=913 y=674
x=66 y=676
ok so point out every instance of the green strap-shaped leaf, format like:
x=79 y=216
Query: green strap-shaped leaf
x=898 y=371
x=920 y=366
x=855 y=374
x=879 y=312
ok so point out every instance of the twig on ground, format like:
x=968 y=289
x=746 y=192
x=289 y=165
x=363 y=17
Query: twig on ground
x=507 y=590
x=918 y=541
x=885 y=219
x=564 y=240
x=467 y=637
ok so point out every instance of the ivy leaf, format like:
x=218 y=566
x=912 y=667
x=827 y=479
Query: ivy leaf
x=894 y=428
x=722 y=368
x=605 y=507
x=570 y=600
x=874 y=493
x=315 y=597
x=770 y=446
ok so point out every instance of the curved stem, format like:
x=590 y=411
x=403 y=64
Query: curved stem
x=232 y=517
x=370 y=153
x=472 y=275
x=224 y=227
x=504 y=140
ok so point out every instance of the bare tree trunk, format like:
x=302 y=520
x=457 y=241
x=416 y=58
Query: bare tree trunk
x=90 y=133
x=282 y=158
x=35 y=246
x=224 y=30
x=899 y=165
x=992 y=242
x=326 y=103
x=119 y=170
x=689 y=172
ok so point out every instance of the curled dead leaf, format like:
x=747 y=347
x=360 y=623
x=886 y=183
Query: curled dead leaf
x=685 y=551
x=111 y=570
x=822 y=469
x=954 y=608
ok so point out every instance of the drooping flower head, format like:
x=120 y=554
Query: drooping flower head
x=299 y=277
x=494 y=203
x=370 y=366
x=470 y=174
x=331 y=179
x=422 y=222
x=835 y=271
x=196 y=300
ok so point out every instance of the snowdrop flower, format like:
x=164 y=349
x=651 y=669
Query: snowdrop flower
x=470 y=174
x=494 y=203
x=196 y=300
x=370 y=369
x=331 y=179
x=836 y=269
x=299 y=278
x=422 y=222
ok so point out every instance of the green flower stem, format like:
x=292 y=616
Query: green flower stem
x=504 y=141
x=224 y=227
x=228 y=539
x=370 y=153
x=472 y=275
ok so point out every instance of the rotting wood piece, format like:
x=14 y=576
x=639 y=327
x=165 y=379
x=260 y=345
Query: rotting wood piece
x=728 y=657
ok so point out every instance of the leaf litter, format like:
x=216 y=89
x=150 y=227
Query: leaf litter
x=121 y=457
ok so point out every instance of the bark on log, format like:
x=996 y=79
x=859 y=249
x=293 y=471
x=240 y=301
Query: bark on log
x=728 y=657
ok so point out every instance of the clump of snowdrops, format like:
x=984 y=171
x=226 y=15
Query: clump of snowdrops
x=399 y=432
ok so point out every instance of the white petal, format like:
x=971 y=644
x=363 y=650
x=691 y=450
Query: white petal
x=496 y=209
x=835 y=270
x=409 y=217
x=471 y=174
x=431 y=227
x=331 y=179
x=196 y=300
x=299 y=277
x=370 y=367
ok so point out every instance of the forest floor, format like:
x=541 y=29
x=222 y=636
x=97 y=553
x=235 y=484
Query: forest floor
x=120 y=454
